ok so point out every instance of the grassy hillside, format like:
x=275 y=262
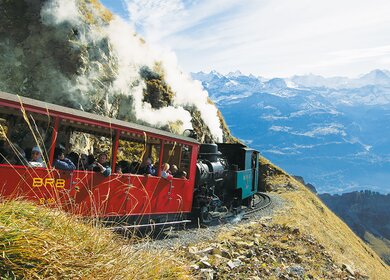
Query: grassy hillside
x=380 y=245
x=311 y=216
x=41 y=243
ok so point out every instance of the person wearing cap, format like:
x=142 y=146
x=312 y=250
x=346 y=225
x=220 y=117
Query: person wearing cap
x=61 y=162
x=101 y=165
x=36 y=158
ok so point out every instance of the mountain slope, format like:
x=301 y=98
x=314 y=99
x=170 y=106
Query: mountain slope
x=367 y=214
x=307 y=212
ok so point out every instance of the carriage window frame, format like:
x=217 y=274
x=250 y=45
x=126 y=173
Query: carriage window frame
x=69 y=126
x=179 y=154
x=40 y=128
x=149 y=147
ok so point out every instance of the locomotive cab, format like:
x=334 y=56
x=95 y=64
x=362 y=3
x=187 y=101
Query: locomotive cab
x=244 y=168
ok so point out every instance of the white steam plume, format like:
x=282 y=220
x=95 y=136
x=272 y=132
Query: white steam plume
x=59 y=11
x=131 y=54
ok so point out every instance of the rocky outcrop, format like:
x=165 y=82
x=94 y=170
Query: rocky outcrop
x=307 y=185
x=77 y=54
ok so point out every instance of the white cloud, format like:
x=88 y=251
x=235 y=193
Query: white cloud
x=277 y=128
x=270 y=37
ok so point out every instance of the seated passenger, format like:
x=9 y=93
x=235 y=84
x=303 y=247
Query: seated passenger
x=124 y=165
x=174 y=171
x=183 y=175
x=11 y=154
x=135 y=167
x=36 y=158
x=61 y=162
x=149 y=168
x=101 y=165
x=165 y=173
x=118 y=169
x=83 y=162
x=74 y=157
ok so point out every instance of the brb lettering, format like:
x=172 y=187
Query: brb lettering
x=48 y=182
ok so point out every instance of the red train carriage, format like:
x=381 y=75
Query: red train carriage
x=26 y=122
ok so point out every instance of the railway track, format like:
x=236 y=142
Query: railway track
x=261 y=201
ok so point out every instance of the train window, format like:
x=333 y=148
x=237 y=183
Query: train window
x=83 y=141
x=134 y=149
x=131 y=151
x=177 y=154
x=185 y=159
x=20 y=133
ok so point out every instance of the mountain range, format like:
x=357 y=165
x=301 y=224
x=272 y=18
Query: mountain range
x=335 y=132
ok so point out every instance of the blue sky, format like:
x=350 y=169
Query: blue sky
x=266 y=37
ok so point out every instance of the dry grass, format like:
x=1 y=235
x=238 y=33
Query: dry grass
x=41 y=243
x=381 y=246
x=308 y=213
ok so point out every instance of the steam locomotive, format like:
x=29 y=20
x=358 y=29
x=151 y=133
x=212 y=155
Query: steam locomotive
x=227 y=177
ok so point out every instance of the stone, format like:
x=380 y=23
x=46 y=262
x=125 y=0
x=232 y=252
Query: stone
x=207 y=274
x=205 y=251
x=204 y=263
x=349 y=269
x=194 y=267
x=295 y=270
x=234 y=263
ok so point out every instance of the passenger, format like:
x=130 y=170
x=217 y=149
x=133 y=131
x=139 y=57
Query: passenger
x=11 y=155
x=174 y=171
x=83 y=162
x=135 y=167
x=101 y=165
x=183 y=175
x=165 y=173
x=118 y=169
x=36 y=158
x=61 y=162
x=149 y=168
x=91 y=159
x=74 y=157
x=124 y=165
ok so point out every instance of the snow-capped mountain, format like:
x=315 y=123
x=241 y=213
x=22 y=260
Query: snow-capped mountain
x=335 y=132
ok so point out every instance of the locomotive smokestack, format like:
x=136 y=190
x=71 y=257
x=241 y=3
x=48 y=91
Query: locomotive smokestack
x=209 y=152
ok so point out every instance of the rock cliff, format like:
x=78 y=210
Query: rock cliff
x=76 y=53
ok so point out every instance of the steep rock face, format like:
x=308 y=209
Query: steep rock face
x=76 y=53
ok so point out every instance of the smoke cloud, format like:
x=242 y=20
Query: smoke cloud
x=93 y=58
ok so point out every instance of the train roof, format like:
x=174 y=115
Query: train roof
x=12 y=100
x=244 y=147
